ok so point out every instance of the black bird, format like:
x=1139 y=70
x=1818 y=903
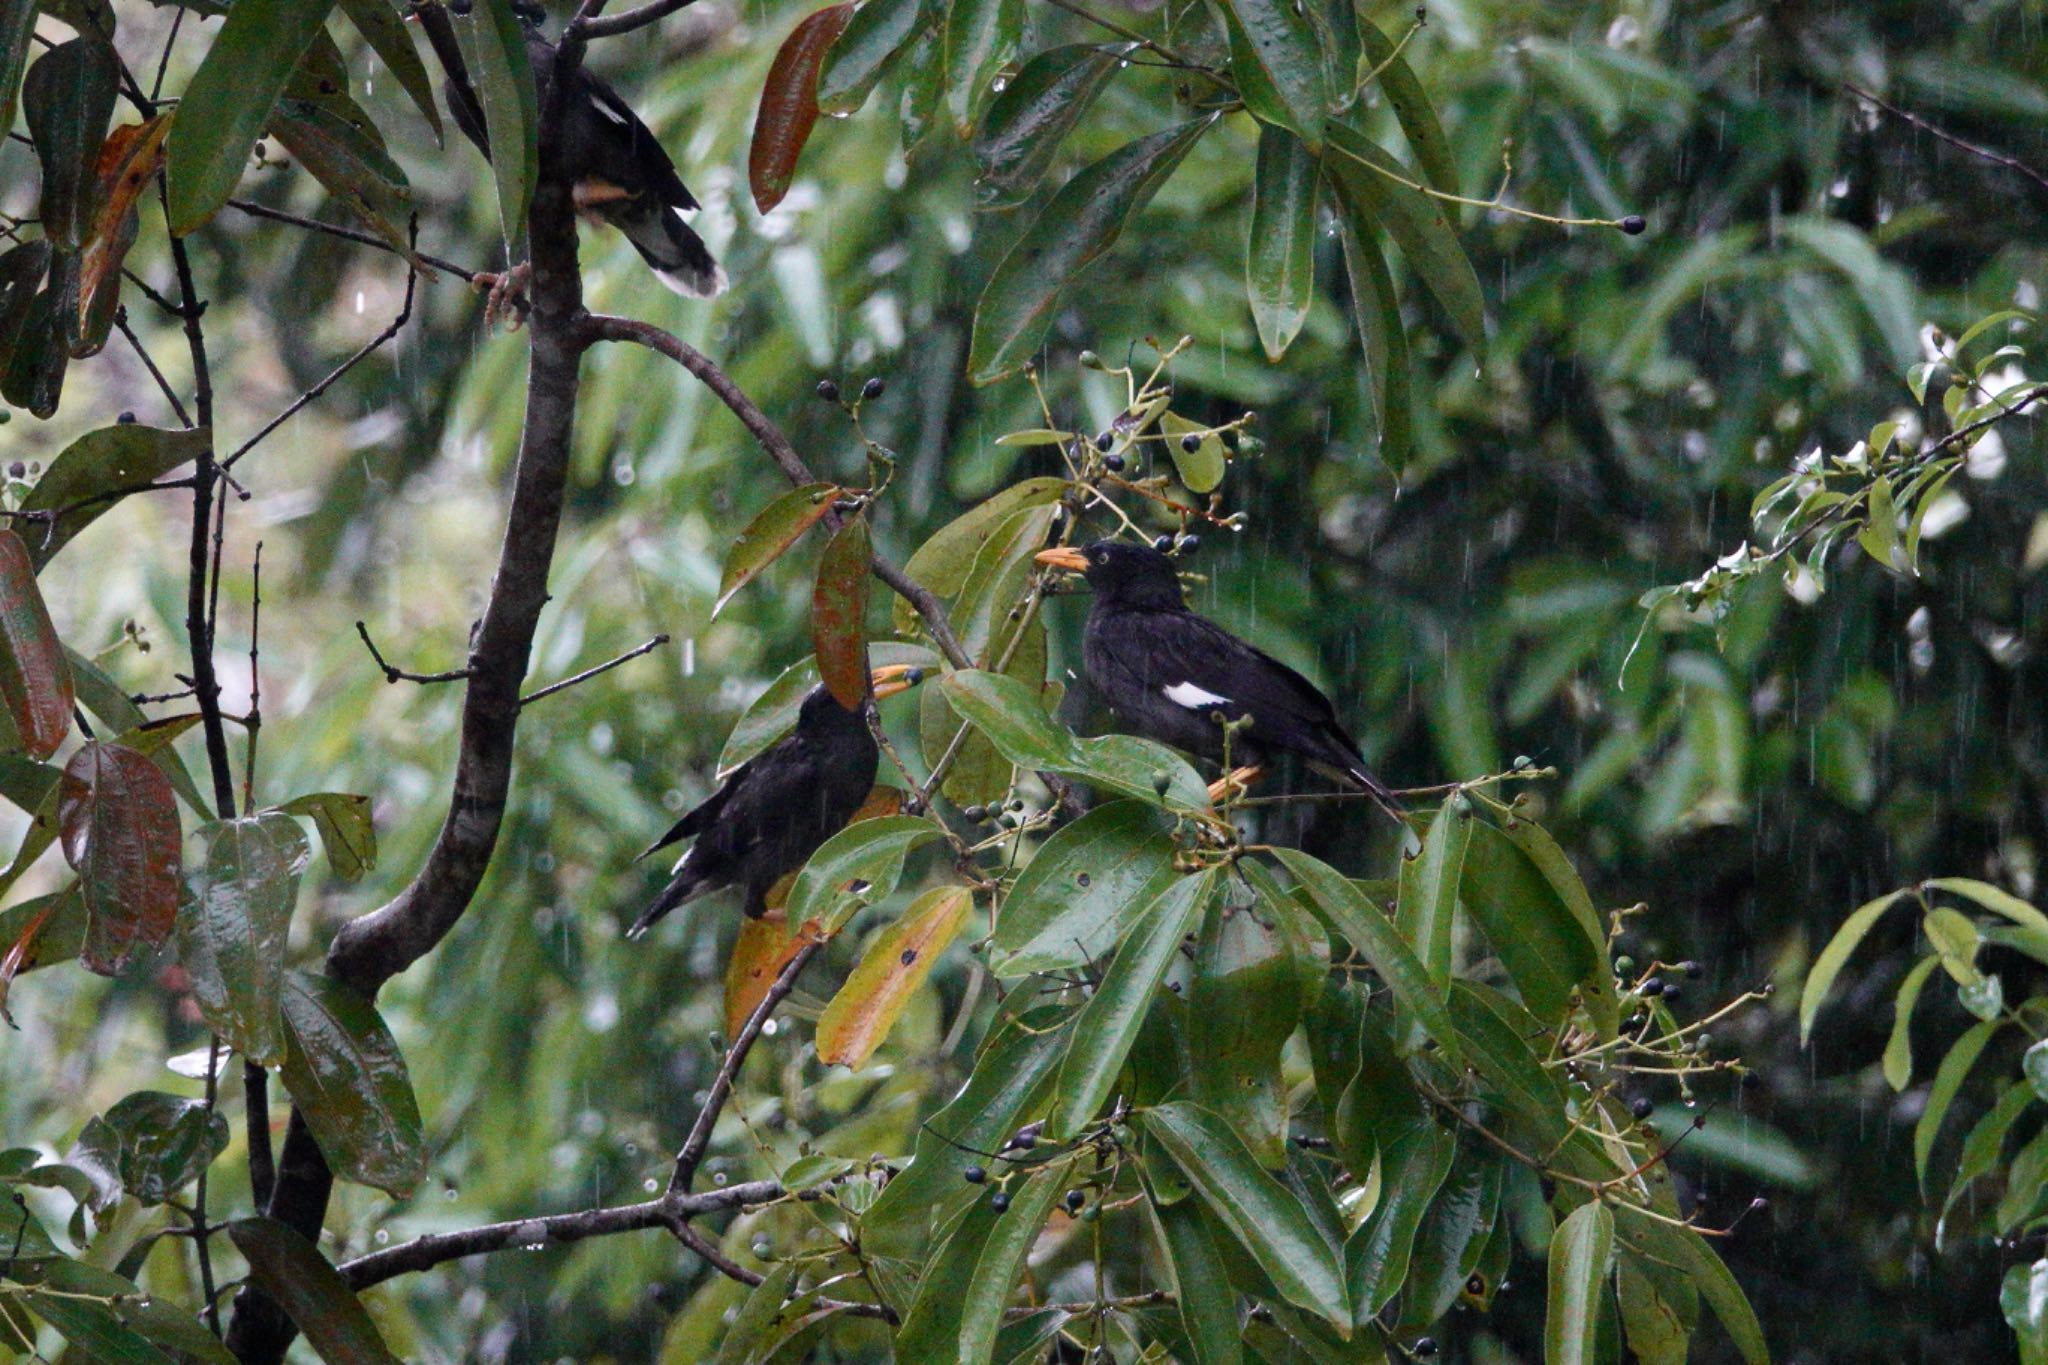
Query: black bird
x=1170 y=675
x=777 y=807
x=623 y=177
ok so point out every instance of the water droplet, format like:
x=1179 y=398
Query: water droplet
x=382 y=1237
x=359 y=303
x=649 y=1184
x=449 y=1194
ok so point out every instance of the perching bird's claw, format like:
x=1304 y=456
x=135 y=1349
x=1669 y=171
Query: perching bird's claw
x=1234 y=784
x=504 y=295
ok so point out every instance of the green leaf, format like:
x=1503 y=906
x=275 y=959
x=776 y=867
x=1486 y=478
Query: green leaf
x=1383 y=189
x=1258 y=1210
x=1014 y=719
x=119 y=821
x=1499 y=1038
x=1688 y=1252
x=1581 y=1252
x=1382 y=335
x=1413 y=1162
x=1280 y=258
x=383 y=28
x=345 y=1074
x=773 y=530
x=894 y=965
x=878 y=30
x=228 y=103
x=981 y=37
x=1982 y=1149
x=80 y=1301
x=1002 y=1263
x=1201 y=1286
x=1994 y=899
x=1339 y=903
x=1411 y=106
x=35 y=680
x=156 y=1144
x=1658 y=1329
x=2023 y=1299
x=757 y=1315
x=2026 y=1179
x=17 y=22
x=1032 y=116
x=839 y=609
x=1202 y=468
x=1536 y=934
x=1426 y=907
x=66 y=100
x=1243 y=1004
x=1835 y=955
x=1450 y=1237
x=931 y=1326
x=944 y=562
x=343 y=152
x=1955 y=939
x=1078 y=896
x=1079 y=225
x=858 y=866
x=1948 y=1079
x=312 y=1293
x=122 y=456
x=494 y=49
x=1278 y=64
x=1739 y=1143
x=346 y=831
x=1898 y=1049
x=1108 y=1025
x=231 y=935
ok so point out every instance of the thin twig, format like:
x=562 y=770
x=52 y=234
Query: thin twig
x=256 y=1108
x=255 y=210
x=255 y=720
x=1981 y=153
x=200 y=1231
x=609 y=664
x=588 y=25
x=396 y=675
x=142 y=353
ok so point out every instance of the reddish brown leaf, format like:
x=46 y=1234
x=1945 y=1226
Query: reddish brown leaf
x=839 y=610
x=895 y=965
x=118 y=819
x=21 y=956
x=789 y=104
x=35 y=681
x=128 y=160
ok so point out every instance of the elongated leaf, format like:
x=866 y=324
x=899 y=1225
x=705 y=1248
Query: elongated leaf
x=39 y=933
x=1243 y=1004
x=1995 y=899
x=789 y=104
x=1832 y=958
x=773 y=530
x=980 y=37
x=345 y=1074
x=312 y=1293
x=17 y=22
x=1014 y=719
x=757 y=1315
x=350 y=162
x=1280 y=247
x=384 y=30
x=1948 y=1080
x=1450 y=1238
x=1898 y=1050
x=1340 y=904
x=1259 y=1211
x=894 y=966
x=858 y=866
x=35 y=679
x=1581 y=1252
x=1207 y=1303
x=1082 y=889
x=1033 y=115
x=1413 y=1162
x=346 y=832
x=122 y=456
x=128 y=161
x=1534 y=932
x=107 y=1318
x=39 y=350
x=2023 y=1300
x=156 y=1144
x=1383 y=188
x=66 y=100
x=119 y=821
x=494 y=49
x=1411 y=106
x=102 y=696
x=1982 y=1150
x=231 y=936
x=944 y=562
x=1425 y=910
x=1002 y=1263
x=1080 y=224
x=1500 y=1037
x=839 y=609
x=1688 y=1252
x=1657 y=1329
x=931 y=1327
x=878 y=30
x=228 y=103
x=1382 y=336
x=1111 y=1020
x=1278 y=63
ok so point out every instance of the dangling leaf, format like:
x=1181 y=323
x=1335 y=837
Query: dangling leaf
x=351 y=164
x=1033 y=115
x=493 y=46
x=231 y=937
x=311 y=1291
x=839 y=611
x=1382 y=336
x=35 y=680
x=878 y=31
x=894 y=966
x=128 y=160
x=1411 y=106
x=384 y=29
x=858 y=866
x=66 y=100
x=1581 y=1253
x=17 y=23
x=773 y=530
x=1280 y=248
x=1278 y=64
x=156 y=1144
x=1384 y=190
x=346 y=1076
x=789 y=104
x=980 y=38
x=119 y=821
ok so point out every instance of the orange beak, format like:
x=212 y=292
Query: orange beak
x=893 y=678
x=1063 y=557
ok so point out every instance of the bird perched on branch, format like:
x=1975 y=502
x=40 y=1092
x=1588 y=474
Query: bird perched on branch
x=777 y=807
x=1170 y=675
x=623 y=177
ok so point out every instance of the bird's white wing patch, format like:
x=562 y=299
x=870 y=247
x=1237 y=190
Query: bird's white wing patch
x=614 y=115
x=1192 y=697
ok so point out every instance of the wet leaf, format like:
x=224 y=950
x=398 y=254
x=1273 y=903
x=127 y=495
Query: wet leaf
x=35 y=678
x=839 y=611
x=1835 y=956
x=1898 y=1049
x=757 y=1315
x=1411 y=107
x=1109 y=1024
x=384 y=29
x=980 y=38
x=22 y=269
x=1688 y=1252
x=493 y=46
x=931 y=1326
x=773 y=714
x=231 y=936
x=1002 y=1263
x=944 y=562
x=350 y=162
x=1242 y=1009
x=1079 y=225
x=119 y=822
x=1010 y=713
x=1581 y=1253
x=858 y=866
x=40 y=352
x=1948 y=1080
x=773 y=530
x=312 y=1293
x=1375 y=182
x=80 y=1301
x=1280 y=247
x=2023 y=1300
x=344 y=1072
x=789 y=104
x=1202 y=468
x=1426 y=908
x=878 y=31
x=39 y=933
x=128 y=161
x=104 y=697
x=346 y=831
x=17 y=22
x=156 y=1144
x=1278 y=63
x=1032 y=116
x=1084 y=887
x=1201 y=1285
x=764 y=947
x=228 y=102
x=1534 y=931
x=1414 y=1159
x=66 y=100
x=125 y=455
x=894 y=966
x=1382 y=335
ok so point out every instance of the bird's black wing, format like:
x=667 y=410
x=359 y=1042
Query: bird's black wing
x=1201 y=667
x=699 y=819
x=607 y=141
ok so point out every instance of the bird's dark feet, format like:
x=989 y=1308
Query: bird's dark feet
x=1234 y=784
x=504 y=295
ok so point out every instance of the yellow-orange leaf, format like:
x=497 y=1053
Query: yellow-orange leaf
x=128 y=160
x=896 y=964
x=764 y=948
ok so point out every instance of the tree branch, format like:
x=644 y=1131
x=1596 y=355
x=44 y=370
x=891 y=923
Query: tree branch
x=347 y=234
x=398 y=675
x=586 y=26
x=587 y=674
x=1933 y=130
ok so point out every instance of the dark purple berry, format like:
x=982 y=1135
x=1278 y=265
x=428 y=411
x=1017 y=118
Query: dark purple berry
x=1075 y=1199
x=1641 y=1107
x=999 y=1201
x=1113 y=463
x=872 y=389
x=1633 y=225
x=1652 y=988
x=974 y=1175
x=828 y=390
x=1191 y=442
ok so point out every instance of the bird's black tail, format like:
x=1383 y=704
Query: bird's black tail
x=684 y=889
x=677 y=254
